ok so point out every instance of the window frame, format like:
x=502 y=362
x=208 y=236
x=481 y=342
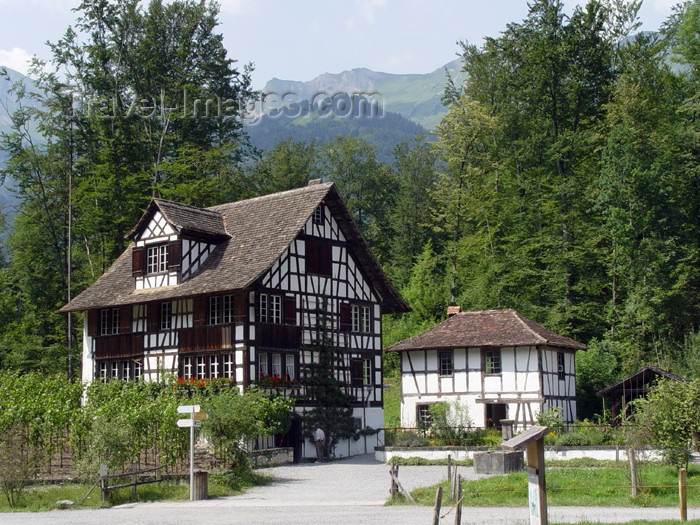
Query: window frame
x=157 y=259
x=166 y=316
x=491 y=358
x=270 y=308
x=561 y=366
x=446 y=369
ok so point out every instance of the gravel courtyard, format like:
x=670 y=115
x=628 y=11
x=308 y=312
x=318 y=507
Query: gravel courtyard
x=343 y=492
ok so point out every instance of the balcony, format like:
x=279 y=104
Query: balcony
x=203 y=338
x=282 y=336
x=118 y=346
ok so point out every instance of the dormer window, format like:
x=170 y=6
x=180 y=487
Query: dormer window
x=157 y=261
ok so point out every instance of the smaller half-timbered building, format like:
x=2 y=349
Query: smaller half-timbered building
x=236 y=291
x=497 y=363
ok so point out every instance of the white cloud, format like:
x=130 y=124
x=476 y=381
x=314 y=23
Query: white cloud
x=17 y=59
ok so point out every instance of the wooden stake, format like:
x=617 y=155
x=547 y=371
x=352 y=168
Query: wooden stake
x=633 y=473
x=449 y=470
x=438 y=502
x=682 y=493
x=458 y=511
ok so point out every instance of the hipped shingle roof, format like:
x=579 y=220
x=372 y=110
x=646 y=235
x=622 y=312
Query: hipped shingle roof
x=489 y=328
x=259 y=231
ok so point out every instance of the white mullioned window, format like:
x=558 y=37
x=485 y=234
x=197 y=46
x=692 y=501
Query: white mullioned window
x=157 y=259
x=187 y=367
x=228 y=366
x=201 y=367
x=366 y=372
x=228 y=309
x=366 y=319
x=214 y=366
x=137 y=370
x=126 y=370
x=103 y=370
x=355 y=317
x=270 y=308
x=214 y=312
x=115 y=369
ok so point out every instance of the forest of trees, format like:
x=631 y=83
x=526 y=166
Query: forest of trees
x=563 y=182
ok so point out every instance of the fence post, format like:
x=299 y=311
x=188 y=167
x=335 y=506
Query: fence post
x=133 y=480
x=438 y=502
x=393 y=473
x=458 y=511
x=682 y=493
x=633 y=473
x=449 y=469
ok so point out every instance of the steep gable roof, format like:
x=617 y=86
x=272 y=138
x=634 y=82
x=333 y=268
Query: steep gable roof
x=639 y=382
x=258 y=230
x=187 y=220
x=489 y=328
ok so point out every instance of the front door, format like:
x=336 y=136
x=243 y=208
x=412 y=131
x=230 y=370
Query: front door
x=494 y=413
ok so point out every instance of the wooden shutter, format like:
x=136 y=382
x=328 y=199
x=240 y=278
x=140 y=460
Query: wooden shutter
x=125 y=316
x=357 y=372
x=154 y=317
x=325 y=264
x=138 y=261
x=199 y=316
x=312 y=264
x=290 y=310
x=174 y=254
x=239 y=306
x=345 y=317
x=93 y=319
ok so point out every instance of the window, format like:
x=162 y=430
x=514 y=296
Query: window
x=318 y=215
x=115 y=369
x=318 y=257
x=214 y=312
x=561 y=368
x=186 y=367
x=157 y=261
x=262 y=365
x=140 y=317
x=221 y=309
x=137 y=370
x=361 y=372
x=276 y=365
x=360 y=318
x=214 y=366
x=201 y=367
x=228 y=366
x=126 y=370
x=289 y=367
x=423 y=418
x=103 y=370
x=166 y=310
x=270 y=308
x=445 y=358
x=492 y=361
x=109 y=321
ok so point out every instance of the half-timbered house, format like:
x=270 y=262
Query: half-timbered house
x=234 y=291
x=497 y=363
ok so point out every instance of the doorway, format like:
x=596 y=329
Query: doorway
x=494 y=413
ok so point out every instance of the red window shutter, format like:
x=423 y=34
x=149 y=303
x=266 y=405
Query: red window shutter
x=138 y=261
x=312 y=256
x=290 y=310
x=200 y=311
x=125 y=316
x=93 y=316
x=345 y=317
x=174 y=254
x=153 y=317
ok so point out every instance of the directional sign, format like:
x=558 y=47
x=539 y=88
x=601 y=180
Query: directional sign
x=187 y=409
x=186 y=423
x=200 y=416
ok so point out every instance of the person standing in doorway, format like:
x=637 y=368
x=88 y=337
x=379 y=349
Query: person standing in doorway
x=320 y=440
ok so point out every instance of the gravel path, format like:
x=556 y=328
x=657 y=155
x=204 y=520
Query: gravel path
x=344 y=492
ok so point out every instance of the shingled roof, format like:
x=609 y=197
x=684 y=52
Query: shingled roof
x=488 y=328
x=187 y=220
x=258 y=230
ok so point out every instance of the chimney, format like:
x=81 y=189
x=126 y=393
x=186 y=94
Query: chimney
x=314 y=182
x=453 y=310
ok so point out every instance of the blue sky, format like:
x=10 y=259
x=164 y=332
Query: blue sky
x=298 y=40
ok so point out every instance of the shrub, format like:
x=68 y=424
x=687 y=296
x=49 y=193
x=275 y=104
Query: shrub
x=572 y=439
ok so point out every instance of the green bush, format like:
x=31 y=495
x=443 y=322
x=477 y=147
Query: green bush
x=572 y=439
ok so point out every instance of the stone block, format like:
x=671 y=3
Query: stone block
x=497 y=462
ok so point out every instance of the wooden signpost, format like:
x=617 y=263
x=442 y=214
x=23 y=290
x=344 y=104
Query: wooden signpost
x=195 y=420
x=532 y=441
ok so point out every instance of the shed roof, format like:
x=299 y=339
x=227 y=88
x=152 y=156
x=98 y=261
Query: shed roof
x=487 y=328
x=257 y=233
x=639 y=382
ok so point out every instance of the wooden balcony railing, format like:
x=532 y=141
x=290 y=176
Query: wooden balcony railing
x=201 y=338
x=117 y=346
x=268 y=335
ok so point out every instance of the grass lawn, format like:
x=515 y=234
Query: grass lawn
x=392 y=402
x=587 y=486
x=44 y=497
